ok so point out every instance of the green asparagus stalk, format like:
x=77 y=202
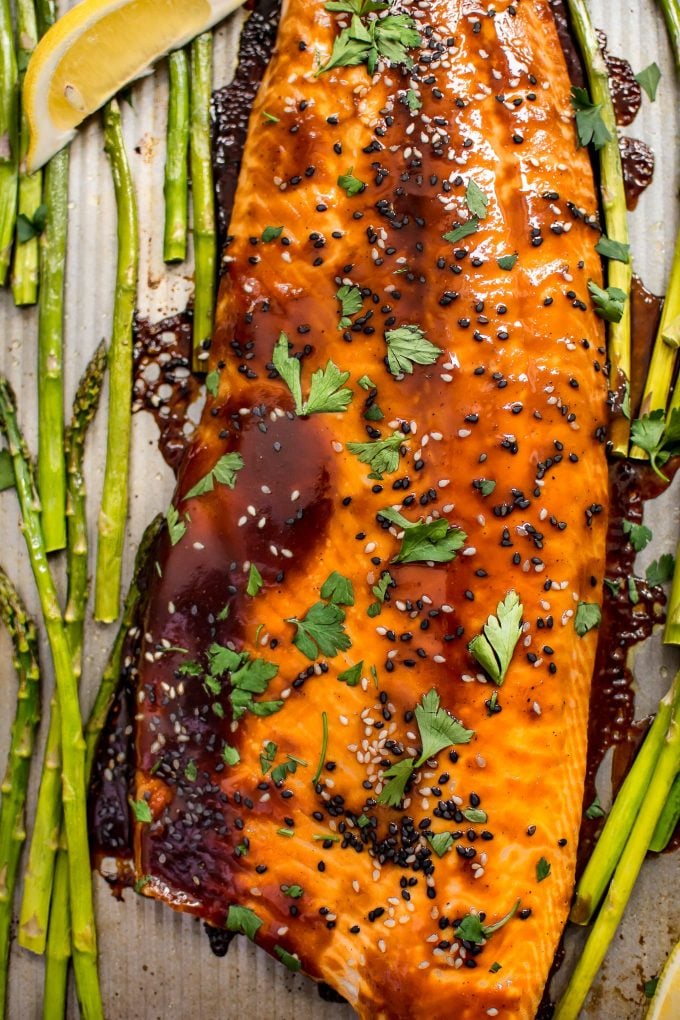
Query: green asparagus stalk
x=203 y=201
x=113 y=513
x=84 y=937
x=671 y=12
x=615 y=215
x=9 y=136
x=621 y=820
x=671 y=634
x=15 y=784
x=51 y=469
x=628 y=867
x=84 y=409
x=664 y=353
x=176 y=187
x=58 y=952
x=668 y=820
x=25 y=267
x=38 y=877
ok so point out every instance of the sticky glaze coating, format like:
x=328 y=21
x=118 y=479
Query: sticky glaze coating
x=340 y=884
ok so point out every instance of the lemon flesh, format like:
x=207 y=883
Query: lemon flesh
x=666 y=1002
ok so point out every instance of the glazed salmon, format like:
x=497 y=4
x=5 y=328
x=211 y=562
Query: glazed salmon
x=364 y=683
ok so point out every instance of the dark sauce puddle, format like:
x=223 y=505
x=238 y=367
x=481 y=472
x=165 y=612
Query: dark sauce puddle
x=166 y=388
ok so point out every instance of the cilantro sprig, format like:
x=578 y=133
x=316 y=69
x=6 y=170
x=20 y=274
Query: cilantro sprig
x=639 y=535
x=408 y=346
x=246 y=677
x=608 y=303
x=657 y=436
x=472 y=928
x=587 y=617
x=495 y=646
x=382 y=455
x=434 y=542
x=590 y=127
x=244 y=921
x=351 y=302
x=224 y=472
x=327 y=391
x=367 y=39
x=351 y=184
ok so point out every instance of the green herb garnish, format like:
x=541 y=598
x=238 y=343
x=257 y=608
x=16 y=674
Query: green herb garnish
x=382 y=455
x=608 y=303
x=243 y=920
x=588 y=616
x=473 y=930
x=408 y=346
x=434 y=542
x=327 y=391
x=590 y=126
x=494 y=647
x=224 y=472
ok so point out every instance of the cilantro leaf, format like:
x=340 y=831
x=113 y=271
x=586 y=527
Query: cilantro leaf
x=338 y=589
x=351 y=302
x=176 y=528
x=650 y=987
x=142 y=811
x=595 y=810
x=243 y=920
x=382 y=455
x=271 y=234
x=29 y=227
x=494 y=647
x=255 y=581
x=352 y=675
x=475 y=815
x=542 y=869
x=287 y=959
x=413 y=100
x=649 y=79
x=408 y=346
x=367 y=383
x=633 y=595
x=441 y=842
x=588 y=616
x=614 y=250
x=660 y=571
x=476 y=200
x=351 y=184
x=212 y=382
x=608 y=303
x=380 y=591
x=247 y=677
x=435 y=542
x=398 y=775
x=326 y=392
x=507 y=261
x=230 y=755
x=462 y=230
x=294 y=891
x=437 y=728
x=321 y=631
x=191 y=771
x=639 y=536
x=268 y=756
x=485 y=485
x=473 y=930
x=590 y=126
x=270 y=117
x=224 y=472
x=657 y=437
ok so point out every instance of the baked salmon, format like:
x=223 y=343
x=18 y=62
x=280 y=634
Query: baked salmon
x=369 y=638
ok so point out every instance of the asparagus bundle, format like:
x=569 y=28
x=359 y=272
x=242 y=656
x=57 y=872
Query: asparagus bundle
x=15 y=783
x=113 y=513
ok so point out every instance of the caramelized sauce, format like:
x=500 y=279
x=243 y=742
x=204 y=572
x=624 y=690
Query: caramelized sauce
x=645 y=310
x=638 y=168
x=626 y=92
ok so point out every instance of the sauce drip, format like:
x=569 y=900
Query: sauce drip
x=638 y=168
x=626 y=92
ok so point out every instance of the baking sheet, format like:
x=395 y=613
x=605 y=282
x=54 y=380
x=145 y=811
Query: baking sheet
x=155 y=964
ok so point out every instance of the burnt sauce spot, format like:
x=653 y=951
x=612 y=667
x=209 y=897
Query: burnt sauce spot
x=638 y=168
x=626 y=92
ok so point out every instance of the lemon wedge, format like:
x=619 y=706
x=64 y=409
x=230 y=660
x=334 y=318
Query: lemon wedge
x=666 y=1002
x=93 y=51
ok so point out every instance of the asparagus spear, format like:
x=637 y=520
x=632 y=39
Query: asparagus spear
x=84 y=937
x=176 y=187
x=114 y=506
x=15 y=784
x=58 y=944
x=84 y=409
x=25 y=267
x=615 y=215
x=9 y=113
x=629 y=864
x=51 y=470
x=671 y=12
x=661 y=367
x=203 y=201
x=668 y=819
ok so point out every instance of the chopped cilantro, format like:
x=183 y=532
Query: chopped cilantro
x=243 y=920
x=590 y=126
x=191 y=772
x=639 y=536
x=287 y=768
x=650 y=987
x=633 y=595
x=542 y=869
x=287 y=959
x=649 y=79
x=255 y=581
x=270 y=117
x=507 y=261
x=224 y=472
x=494 y=647
x=29 y=227
x=327 y=391
x=142 y=811
x=476 y=200
x=365 y=42
x=475 y=815
x=339 y=589
x=352 y=675
x=212 y=382
x=382 y=455
x=462 y=230
x=595 y=810
x=397 y=776
x=367 y=383
x=321 y=631
x=485 y=485
x=435 y=542
x=408 y=346
x=588 y=616
x=324 y=748
x=437 y=728
x=176 y=528
x=612 y=586
x=288 y=833
x=609 y=302
x=495 y=967
x=267 y=756
x=658 y=437
x=294 y=891
x=351 y=302
x=473 y=930
x=441 y=842
x=351 y=184
x=380 y=591
x=246 y=677
x=413 y=100
x=271 y=234
x=660 y=571
x=614 y=250
x=231 y=755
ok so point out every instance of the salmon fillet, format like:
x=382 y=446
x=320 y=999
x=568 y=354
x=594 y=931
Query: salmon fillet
x=333 y=755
